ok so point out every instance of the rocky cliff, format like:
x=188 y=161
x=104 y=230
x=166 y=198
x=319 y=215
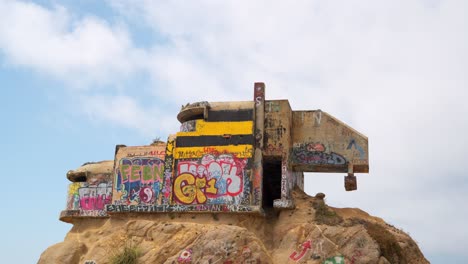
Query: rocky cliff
x=311 y=233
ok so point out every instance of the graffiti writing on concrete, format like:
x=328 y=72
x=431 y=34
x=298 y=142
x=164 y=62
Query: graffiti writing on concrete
x=95 y=197
x=211 y=177
x=318 y=117
x=314 y=153
x=353 y=143
x=185 y=256
x=335 y=260
x=89 y=199
x=167 y=186
x=114 y=208
x=298 y=255
x=139 y=180
x=272 y=106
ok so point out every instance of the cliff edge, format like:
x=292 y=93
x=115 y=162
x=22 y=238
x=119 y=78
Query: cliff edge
x=311 y=233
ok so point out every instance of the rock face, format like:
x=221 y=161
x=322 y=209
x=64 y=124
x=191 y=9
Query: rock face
x=310 y=233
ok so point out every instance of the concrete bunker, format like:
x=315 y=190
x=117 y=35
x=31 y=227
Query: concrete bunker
x=232 y=157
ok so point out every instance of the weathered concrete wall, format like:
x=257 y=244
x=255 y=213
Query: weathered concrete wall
x=139 y=175
x=213 y=161
x=204 y=167
x=322 y=143
x=90 y=190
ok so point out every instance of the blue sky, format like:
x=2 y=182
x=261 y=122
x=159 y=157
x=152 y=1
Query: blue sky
x=79 y=77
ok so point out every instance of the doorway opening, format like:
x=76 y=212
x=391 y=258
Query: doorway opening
x=271 y=181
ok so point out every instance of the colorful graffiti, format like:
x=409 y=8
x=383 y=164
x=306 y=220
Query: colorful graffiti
x=219 y=178
x=166 y=208
x=89 y=199
x=138 y=180
x=185 y=256
x=314 y=153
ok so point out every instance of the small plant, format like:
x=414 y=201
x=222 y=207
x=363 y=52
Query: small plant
x=387 y=242
x=129 y=255
x=325 y=216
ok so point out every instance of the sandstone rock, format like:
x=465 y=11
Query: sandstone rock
x=288 y=236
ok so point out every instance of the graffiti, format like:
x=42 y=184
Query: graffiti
x=209 y=177
x=139 y=180
x=240 y=151
x=229 y=248
x=167 y=184
x=185 y=256
x=270 y=149
x=259 y=95
x=95 y=197
x=357 y=254
x=314 y=153
x=188 y=188
x=306 y=246
x=356 y=146
x=318 y=249
x=188 y=126
x=335 y=260
x=272 y=106
x=157 y=153
x=89 y=262
x=165 y=208
x=89 y=199
x=284 y=179
x=318 y=117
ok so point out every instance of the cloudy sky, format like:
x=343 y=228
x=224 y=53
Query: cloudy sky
x=79 y=77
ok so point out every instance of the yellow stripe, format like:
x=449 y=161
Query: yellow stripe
x=220 y=128
x=239 y=151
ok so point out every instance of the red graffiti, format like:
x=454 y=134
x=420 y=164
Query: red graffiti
x=94 y=202
x=355 y=256
x=305 y=247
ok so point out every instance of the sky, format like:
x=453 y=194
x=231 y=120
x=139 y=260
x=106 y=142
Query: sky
x=79 y=77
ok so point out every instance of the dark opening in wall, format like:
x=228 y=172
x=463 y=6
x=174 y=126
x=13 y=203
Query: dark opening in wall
x=271 y=180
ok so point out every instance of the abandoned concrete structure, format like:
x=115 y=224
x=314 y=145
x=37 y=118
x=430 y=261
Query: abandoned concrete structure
x=227 y=157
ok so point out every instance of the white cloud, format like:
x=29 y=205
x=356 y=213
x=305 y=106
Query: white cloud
x=52 y=41
x=127 y=112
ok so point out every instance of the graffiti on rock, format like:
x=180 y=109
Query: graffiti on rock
x=185 y=256
x=89 y=262
x=298 y=255
x=335 y=260
x=139 y=180
x=314 y=153
x=219 y=179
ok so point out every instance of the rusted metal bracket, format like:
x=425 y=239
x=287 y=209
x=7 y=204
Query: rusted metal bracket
x=350 y=181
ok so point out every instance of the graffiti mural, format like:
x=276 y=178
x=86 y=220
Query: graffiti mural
x=314 y=153
x=213 y=178
x=138 y=180
x=89 y=199
x=335 y=260
x=185 y=256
